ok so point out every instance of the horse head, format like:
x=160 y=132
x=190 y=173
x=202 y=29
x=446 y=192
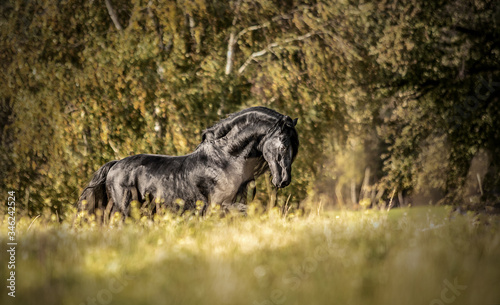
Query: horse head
x=279 y=148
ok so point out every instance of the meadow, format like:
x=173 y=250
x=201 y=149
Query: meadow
x=424 y=255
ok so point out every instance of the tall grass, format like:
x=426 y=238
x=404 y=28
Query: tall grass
x=405 y=256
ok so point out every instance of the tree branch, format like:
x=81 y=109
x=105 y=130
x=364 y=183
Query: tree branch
x=113 y=15
x=233 y=37
x=274 y=45
x=263 y=25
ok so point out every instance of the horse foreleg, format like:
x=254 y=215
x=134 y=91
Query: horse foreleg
x=146 y=205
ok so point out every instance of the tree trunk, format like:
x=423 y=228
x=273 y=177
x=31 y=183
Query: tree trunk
x=113 y=15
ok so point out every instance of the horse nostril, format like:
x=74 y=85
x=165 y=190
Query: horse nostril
x=284 y=183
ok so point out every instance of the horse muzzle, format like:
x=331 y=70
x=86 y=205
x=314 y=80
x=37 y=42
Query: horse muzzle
x=281 y=183
x=284 y=184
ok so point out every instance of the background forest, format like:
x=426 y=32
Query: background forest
x=397 y=100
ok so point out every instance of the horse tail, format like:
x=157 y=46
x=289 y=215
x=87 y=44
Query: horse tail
x=94 y=196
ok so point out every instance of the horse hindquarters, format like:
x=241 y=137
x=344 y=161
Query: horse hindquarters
x=94 y=196
x=122 y=187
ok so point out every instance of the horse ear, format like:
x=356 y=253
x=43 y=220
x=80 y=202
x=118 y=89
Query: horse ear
x=295 y=121
x=206 y=136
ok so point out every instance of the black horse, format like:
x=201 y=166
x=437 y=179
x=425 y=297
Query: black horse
x=233 y=153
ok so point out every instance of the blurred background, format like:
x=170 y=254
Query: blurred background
x=398 y=101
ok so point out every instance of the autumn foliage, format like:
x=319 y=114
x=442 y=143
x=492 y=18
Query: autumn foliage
x=397 y=100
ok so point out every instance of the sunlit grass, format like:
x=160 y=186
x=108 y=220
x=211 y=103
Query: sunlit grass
x=338 y=257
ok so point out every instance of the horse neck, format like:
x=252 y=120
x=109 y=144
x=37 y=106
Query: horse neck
x=242 y=149
x=242 y=145
x=244 y=142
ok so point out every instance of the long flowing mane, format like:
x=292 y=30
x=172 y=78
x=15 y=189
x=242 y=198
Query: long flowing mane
x=241 y=127
x=257 y=117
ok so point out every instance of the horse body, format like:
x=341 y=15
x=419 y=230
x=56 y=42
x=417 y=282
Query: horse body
x=166 y=178
x=144 y=177
x=232 y=153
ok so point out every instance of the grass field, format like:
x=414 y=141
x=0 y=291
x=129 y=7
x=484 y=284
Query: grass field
x=405 y=256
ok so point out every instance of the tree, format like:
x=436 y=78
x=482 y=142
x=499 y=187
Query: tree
x=406 y=89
